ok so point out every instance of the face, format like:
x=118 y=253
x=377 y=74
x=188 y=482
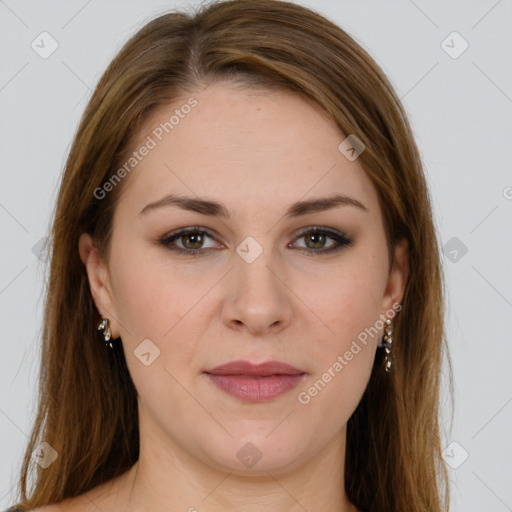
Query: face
x=257 y=284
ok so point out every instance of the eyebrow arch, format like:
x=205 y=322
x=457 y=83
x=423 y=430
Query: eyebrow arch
x=215 y=209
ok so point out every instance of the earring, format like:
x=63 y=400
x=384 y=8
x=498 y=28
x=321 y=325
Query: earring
x=104 y=326
x=387 y=341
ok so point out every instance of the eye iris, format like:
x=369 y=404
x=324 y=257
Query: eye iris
x=198 y=237
x=320 y=240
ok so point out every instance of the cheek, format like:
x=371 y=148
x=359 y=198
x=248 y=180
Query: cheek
x=142 y=301
x=345 y=354
x=151 y=304
x=155 y=302
x=351 y=304
x=150 y=299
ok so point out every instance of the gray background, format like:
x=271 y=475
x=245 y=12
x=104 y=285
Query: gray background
x=461 y=112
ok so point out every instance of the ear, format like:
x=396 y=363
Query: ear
x=99 y=281
x=398 y=276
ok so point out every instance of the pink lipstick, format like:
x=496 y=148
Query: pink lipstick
x=255 y=383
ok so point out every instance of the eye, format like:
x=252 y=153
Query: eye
x=192 y=240
x=316 y=237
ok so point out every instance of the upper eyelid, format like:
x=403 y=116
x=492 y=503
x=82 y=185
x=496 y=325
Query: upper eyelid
x=297 y=234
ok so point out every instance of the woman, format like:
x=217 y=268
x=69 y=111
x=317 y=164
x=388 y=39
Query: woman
x=245 y=220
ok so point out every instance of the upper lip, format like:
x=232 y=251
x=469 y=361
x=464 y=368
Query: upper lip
x=248 y=368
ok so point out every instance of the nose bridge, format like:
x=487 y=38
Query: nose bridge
x=254 y=261
x=258 y=298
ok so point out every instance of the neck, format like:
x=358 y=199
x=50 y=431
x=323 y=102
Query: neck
x=166 y=476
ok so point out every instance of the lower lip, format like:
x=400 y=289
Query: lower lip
x=256 y=389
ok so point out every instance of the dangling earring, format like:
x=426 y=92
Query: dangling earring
x=104 y=326
x=387 y=341
x=115 y=351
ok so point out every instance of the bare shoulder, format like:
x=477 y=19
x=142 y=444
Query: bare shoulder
x=105 y=496
x=69 y=505
x=49 y=508
x=79 y=503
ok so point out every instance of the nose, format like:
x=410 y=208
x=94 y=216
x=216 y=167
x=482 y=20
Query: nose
x=258 y=299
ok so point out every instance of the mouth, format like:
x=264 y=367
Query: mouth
x=255 y=382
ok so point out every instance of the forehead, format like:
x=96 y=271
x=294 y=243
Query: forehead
x=246 y=148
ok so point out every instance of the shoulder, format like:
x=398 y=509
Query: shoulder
x=102 y=497
x=47 y=508
x=76 y=504
x=56 y=507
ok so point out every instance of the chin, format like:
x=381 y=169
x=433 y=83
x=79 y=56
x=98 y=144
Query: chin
x=256 y=455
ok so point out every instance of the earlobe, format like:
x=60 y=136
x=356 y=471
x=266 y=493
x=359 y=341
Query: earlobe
x=97 y=273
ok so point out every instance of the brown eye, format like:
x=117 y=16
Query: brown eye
x=191 y=241
x=315 y=239
x=195 y=238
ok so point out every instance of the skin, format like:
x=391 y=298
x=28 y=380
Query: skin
x=257 y=153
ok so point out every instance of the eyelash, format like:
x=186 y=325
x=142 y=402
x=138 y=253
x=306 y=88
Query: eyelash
x=340 y=238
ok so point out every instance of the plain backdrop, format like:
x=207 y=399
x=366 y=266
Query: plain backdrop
x=457 y=90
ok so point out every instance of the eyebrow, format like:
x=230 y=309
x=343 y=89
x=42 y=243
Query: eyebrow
x=215 y=209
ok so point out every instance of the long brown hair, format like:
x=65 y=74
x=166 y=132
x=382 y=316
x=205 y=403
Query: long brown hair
x=85 y=412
